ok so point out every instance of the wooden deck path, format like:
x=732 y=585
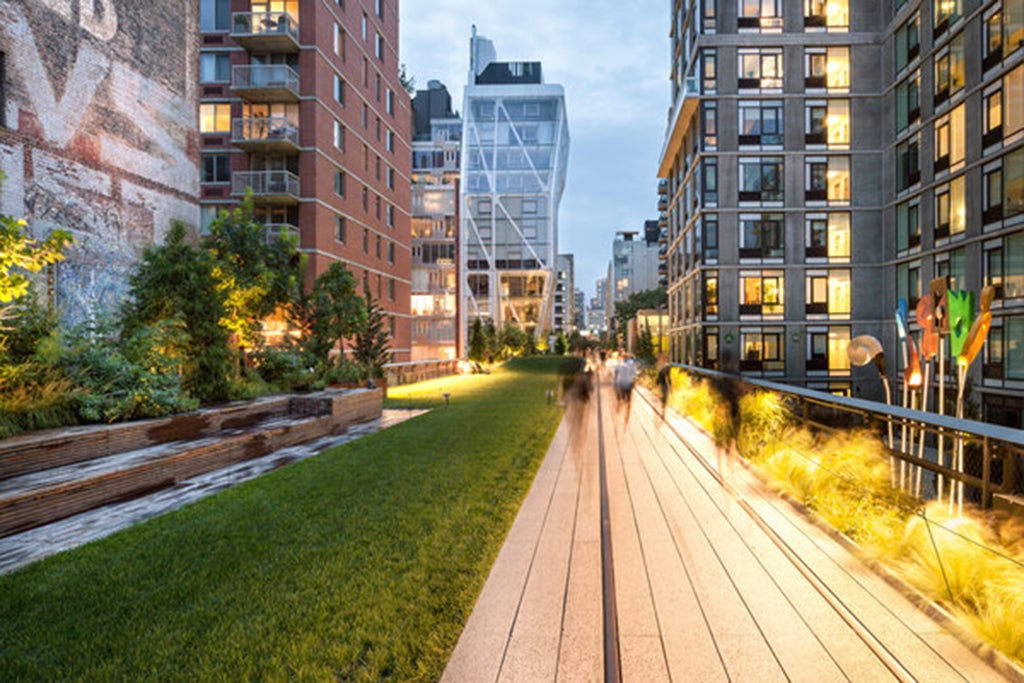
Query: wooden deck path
x=712 y=582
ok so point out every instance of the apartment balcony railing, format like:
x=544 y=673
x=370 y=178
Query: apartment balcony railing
x=269 y=135
x=274 y=231
x=274 y=187
x=265 y=82
x=265 y=31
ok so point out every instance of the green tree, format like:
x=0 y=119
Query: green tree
x=20 y=255
x=371 y=342
x=255 y=272
x=645 y=346
x=478 y=346
x=561 y=343
x=175 y=282
x=330 y=312
x=626 y=310
x=513 y=341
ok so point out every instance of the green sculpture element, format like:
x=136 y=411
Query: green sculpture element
x=961 y=317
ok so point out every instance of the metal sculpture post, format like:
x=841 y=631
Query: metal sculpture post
x=862 y=350
x=929 y=348
x=939 y=286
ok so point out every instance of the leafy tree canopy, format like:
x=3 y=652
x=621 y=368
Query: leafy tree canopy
x=649 y=298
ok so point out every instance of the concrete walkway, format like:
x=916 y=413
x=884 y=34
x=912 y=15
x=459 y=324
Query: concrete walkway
x=704 y=582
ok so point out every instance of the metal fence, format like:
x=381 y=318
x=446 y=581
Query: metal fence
x=990 y=455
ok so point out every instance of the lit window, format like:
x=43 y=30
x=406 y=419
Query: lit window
x=1013 y=183
x=946 y=12
x=832 y=15
x=828 y=68
x=828 y=293
x=992 y=118
x=949 y=70
x=828 y=236
x=1013 y=25
x=950 y=209
x=711 y=292
x=1013 y=101
x=761 y=293
x=827 y=350
x=763 y=350
x=949 y=140
x=760 y=14
x=828 y=122
x=760 y=68
x=214 y=118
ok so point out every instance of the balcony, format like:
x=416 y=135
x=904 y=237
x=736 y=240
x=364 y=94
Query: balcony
x=270 y=135
x=662 y=203
x=679 y=117
x=265 y=31
x=265 y=82
x=274 y=231
x=268 y=187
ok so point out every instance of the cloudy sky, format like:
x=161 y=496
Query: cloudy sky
x=612 y=58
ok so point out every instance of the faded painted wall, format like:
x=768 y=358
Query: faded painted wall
x=100 y=133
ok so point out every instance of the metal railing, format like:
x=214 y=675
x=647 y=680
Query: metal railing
x=264 y=183
x=265 y=76
x=918 y=441
x=270 y=129
x=264 y=23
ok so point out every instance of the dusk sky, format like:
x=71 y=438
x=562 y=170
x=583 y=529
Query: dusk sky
x=612 y=59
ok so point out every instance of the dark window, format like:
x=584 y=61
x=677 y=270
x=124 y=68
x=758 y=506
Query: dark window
x=216 y=168
x=339 y=229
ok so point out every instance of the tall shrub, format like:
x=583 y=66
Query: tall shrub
x=175 y=282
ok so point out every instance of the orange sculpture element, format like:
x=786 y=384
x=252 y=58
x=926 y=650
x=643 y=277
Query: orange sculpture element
x=929 y=333
x=912 y=372
x=979 y=330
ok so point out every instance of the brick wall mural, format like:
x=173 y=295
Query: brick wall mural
x=98 y=132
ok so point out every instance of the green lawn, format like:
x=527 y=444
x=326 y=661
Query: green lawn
x=360 y=564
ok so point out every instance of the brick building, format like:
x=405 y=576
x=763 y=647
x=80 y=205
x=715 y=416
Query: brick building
x=98 y=133
x=300 y=100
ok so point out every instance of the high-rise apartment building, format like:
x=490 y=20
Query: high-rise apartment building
x=515 y=146
x=302 y=105
x=435 y=222
x=820 y=166
x=635 y=261
x=564 y=311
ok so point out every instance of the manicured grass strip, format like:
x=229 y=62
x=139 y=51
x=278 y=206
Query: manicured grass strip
x=361 y=564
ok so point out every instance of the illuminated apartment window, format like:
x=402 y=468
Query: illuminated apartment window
x=1013 y=183
x=908 y=101
x=908 y=163
x=993 y=36
x=761 y=293
x=761 y=179
x=946 y=12
x=828 y=236
x=950 y=209
x=1013 y=101
x=214 y=118
x=762 y=236
x=908 y=41
x=949 y=140
x=831 y=15
x=762 y=349
x=827 y=122
x=761 y=122
x=760 y=69
x=949 y=70
x=992 y=117
x=908 y=226
x=826 y=350
x=711 y=292
x=710 y=70
x=827 y=68
x=1013 y=25
x=760 y=15
x=828 y=178
x=828 y=293
x=709 y=125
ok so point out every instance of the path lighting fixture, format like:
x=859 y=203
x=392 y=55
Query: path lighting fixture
x=865 y=349
x=447 y=398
